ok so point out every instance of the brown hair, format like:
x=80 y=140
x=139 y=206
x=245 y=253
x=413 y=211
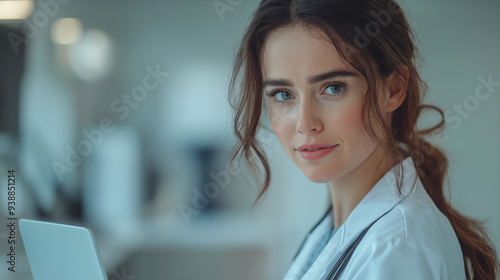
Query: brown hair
x=387 y=47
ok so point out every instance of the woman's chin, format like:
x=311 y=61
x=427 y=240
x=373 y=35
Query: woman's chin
x=320 y=177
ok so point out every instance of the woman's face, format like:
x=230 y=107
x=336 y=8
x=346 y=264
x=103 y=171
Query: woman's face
x=317 y=100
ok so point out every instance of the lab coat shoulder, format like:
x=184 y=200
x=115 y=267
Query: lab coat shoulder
x=414 y=241
x=396 y=258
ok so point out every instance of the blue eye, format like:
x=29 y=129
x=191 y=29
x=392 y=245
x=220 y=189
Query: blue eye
x=336 y=89
x=283 y=95
x=280 y=95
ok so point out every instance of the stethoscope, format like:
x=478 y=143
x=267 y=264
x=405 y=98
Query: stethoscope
x=338 y=264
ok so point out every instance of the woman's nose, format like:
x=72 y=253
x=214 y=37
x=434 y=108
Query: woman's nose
x=309 y=118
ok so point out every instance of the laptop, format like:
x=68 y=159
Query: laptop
x=61 y=252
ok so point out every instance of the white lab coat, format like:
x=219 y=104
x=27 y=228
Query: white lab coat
x=413 y=241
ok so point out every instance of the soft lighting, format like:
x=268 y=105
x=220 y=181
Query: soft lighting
x=91 y=57
x=66 y=31
x=15 y=9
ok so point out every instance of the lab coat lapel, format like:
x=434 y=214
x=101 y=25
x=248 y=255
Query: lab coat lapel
x=381 y=198
x=298 y=267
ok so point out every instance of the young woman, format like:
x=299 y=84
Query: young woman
x=339 y=83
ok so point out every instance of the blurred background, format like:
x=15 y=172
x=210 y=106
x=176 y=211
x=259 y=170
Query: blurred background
x=114 y=116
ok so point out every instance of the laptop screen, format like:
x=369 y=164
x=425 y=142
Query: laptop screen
x=60 y=252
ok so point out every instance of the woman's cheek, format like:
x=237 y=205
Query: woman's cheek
x=280 y=121
x=276 y=124
x=350 y=128
x=350 y=120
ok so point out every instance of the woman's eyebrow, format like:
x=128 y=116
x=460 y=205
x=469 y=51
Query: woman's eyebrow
x=311 y=80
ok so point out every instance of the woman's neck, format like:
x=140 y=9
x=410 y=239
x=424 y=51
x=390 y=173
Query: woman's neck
x=348 y=191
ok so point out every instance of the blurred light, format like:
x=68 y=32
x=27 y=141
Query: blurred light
x=91 y=56
x=15 y=9
x=66 y=31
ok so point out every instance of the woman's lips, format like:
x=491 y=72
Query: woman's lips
x=317 y=154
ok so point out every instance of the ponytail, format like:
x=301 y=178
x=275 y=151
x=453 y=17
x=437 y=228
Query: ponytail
x=477 y=248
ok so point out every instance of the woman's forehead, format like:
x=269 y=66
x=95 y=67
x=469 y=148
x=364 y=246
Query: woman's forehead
x=295 y=51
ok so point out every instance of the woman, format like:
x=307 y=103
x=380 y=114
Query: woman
x=343 y=95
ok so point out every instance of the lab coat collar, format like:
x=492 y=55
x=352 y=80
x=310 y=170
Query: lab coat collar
x=382 y=197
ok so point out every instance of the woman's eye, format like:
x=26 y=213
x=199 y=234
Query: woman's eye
x=334 y=89
x=283 y=96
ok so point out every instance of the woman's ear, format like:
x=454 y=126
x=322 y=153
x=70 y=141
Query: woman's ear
x=396 y=87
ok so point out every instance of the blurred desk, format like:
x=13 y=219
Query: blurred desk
x=218 y=246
